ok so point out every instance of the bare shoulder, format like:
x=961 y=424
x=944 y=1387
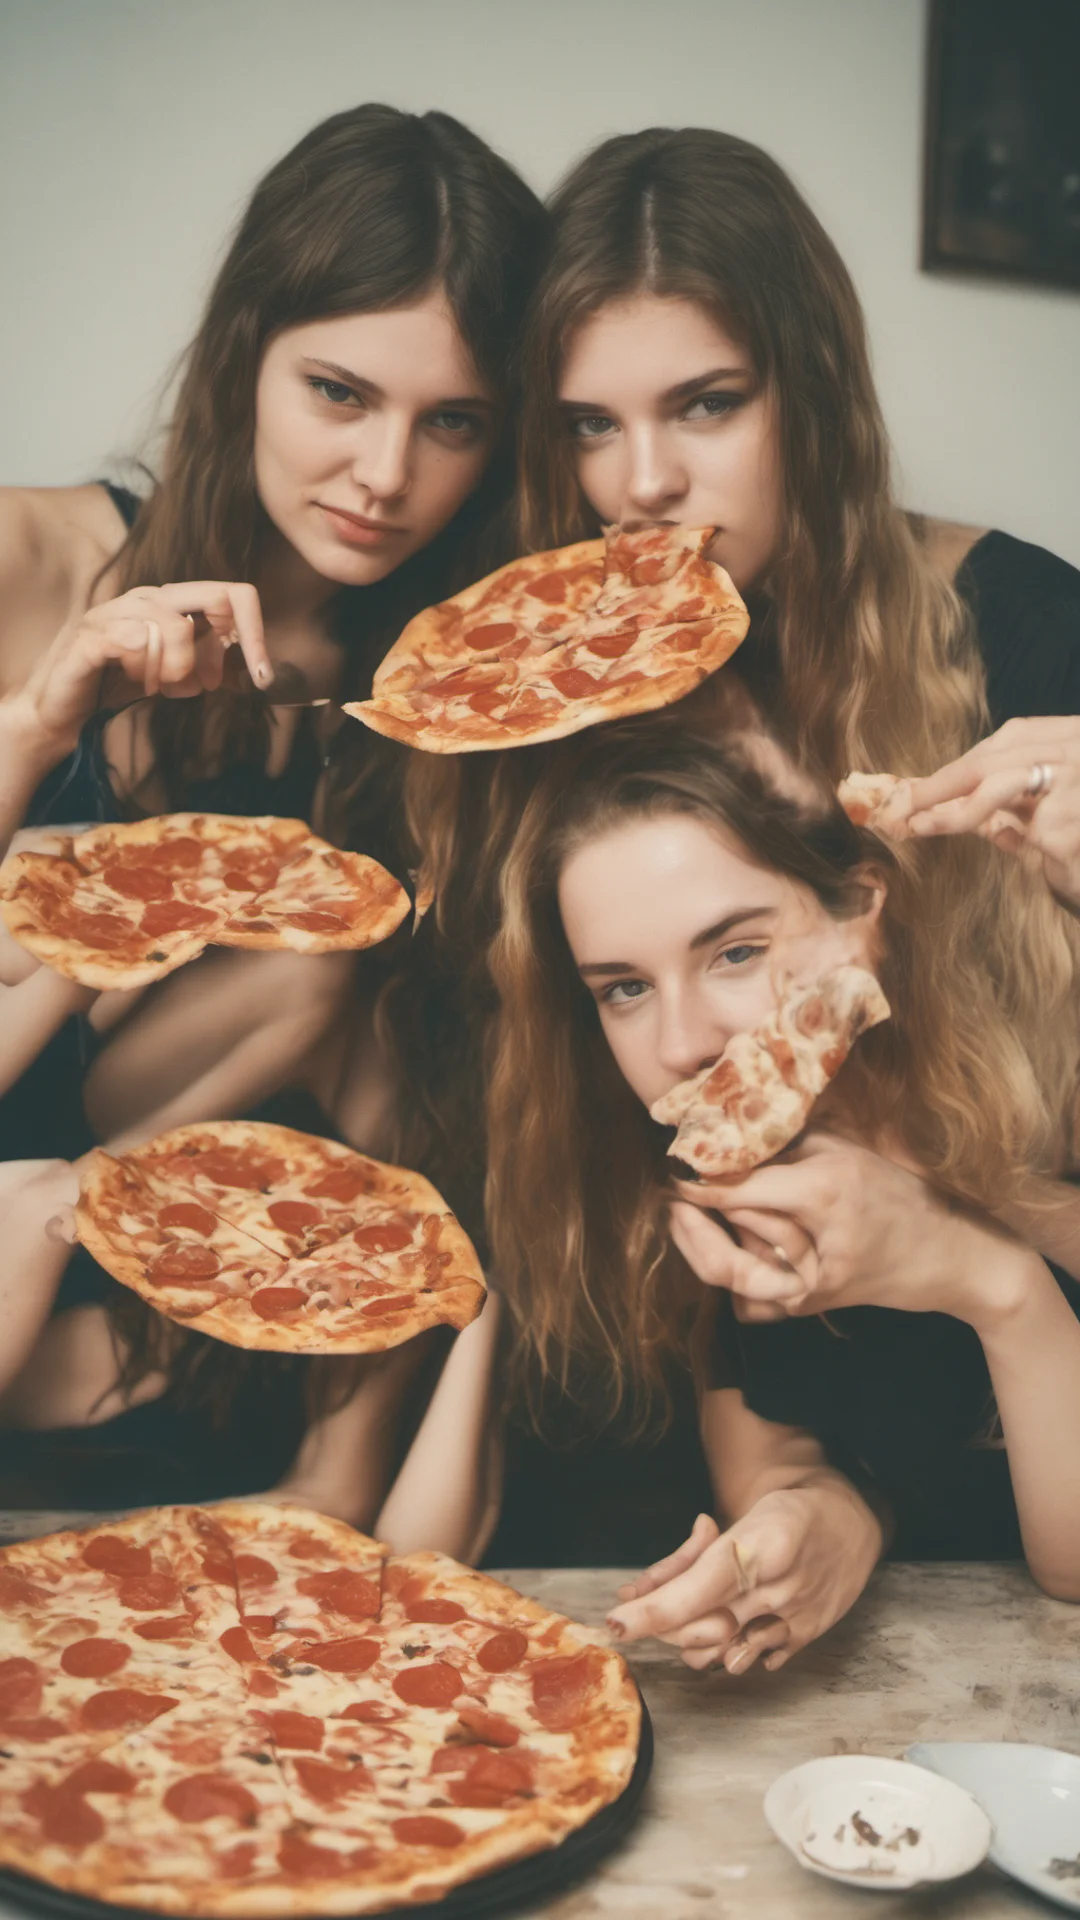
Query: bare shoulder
x=54 y=541
x=948 y=543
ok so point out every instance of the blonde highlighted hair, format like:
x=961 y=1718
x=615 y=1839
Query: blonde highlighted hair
x=576 y=1169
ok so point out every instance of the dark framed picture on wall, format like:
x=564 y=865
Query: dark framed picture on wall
x=1002 y=158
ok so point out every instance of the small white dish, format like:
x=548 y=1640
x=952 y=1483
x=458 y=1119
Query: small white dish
x=877 y=1823
x=1032 y=1795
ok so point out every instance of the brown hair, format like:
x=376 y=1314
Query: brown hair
x=576 y=1168
x=370 y=210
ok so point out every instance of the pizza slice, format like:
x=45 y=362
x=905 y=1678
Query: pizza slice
x=560 y=641
x=322 y=900
x=759 y=1094
x=877 y=801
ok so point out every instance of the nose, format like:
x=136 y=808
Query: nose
x=383 y=460
x=688 y=1038
x=657 y=478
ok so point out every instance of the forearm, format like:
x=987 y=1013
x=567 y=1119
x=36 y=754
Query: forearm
x=446 y=1495
x=32 y=1264
x=30 y=1013
x=257 y=1066
x=345 y=1462
x=1032 y=1350
x=750 y=1458
x=26 y=756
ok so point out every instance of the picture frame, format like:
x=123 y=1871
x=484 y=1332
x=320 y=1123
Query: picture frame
x=1001 y=185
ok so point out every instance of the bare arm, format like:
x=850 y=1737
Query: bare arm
x=32 y=1263
x=346 y=1458
x=446 y=1495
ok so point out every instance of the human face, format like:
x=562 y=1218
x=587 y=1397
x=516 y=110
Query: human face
x=669 y=423
x=371 y=430
x=684 y=941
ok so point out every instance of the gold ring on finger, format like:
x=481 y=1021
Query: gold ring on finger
x=1040 y=780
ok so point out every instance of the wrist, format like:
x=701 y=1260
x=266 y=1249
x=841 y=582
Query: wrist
x=855 y=1503
x=32 y=749
x=1004 y=1278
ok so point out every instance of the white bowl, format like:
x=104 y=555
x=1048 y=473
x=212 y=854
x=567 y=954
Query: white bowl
x=1032 y=1795
x=877 y=1823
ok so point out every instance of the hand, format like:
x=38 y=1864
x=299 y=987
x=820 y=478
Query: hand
x=988 y=791
x=842 y=1226
x=782 y=1575
x=170 y=640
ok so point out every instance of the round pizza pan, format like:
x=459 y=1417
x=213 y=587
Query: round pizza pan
x=540 y=1877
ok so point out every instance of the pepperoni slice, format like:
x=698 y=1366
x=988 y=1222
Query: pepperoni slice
x=108 y=1554
x=326 y=1783
x=551 y=588
x=352 y=1594
x=503 y=1651
x=561 y=1688
x=573 y=683
x=237 y=1862
x=482 y=639
x=66 y=1819
x=238 y=1167
x=389 y=1303
x=341 y=1183
x=611 y=646
x=494 y=1729
x=370 y=1713
x=123 y=1707
x=492 y=1779
x=272 y=1303
x=102 y=930
x=186 y=1265
x=146 y=1592
x=138 y=883
x=427 y=1830
x=175 y=916
x=100 y=1776
x=386 y=1237
x=37 y=1729
x=435 y=1613
x=354 y=1655
x=292 y=1215
x=183 y=853
x=254 y=1571
x=296 y=1730
x=305 y=1862
x=186 y=1214
x=263 y=1684
x=489 y=698
x=237 y=1644
x=260 y=1622
x=94 y=1659
x=21 y=1687
x=435 y=1684
x=176 y=1628
x=205 y=1796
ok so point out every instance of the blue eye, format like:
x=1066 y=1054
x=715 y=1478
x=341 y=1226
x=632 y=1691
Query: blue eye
x=740 y=956
x=333 y=390
x=622 y=992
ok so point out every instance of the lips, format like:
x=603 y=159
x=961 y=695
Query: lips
x=357 y=529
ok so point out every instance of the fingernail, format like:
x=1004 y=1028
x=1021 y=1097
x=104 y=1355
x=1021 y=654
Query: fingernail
x=735 y=1660
x=627 y=1592
x=615 y=1626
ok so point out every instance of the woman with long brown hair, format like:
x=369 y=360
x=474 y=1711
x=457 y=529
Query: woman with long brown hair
x=897 y=1367
x=338 y=456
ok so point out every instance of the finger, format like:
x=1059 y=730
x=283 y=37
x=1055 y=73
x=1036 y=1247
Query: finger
x=718 y=1262
x=712 y=1630
x=712 y=1582
x=231 y=605
x=761 y=1636
x=757 y=1312
x=702 y=1534
x=701 y=1657
x=1018 y=743
x=788 y=1187
x=61 y=1227
x=772 y=1236
x=968 y=813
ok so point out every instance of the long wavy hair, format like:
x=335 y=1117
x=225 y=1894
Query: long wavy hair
x=860 y=654
x=576 y=1168
x=371 y=210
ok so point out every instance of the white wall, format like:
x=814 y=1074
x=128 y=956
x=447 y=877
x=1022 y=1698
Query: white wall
x=132 y=130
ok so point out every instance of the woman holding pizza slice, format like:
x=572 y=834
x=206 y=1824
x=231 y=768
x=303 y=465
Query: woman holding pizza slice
x=898 y=1370
x=337 y=458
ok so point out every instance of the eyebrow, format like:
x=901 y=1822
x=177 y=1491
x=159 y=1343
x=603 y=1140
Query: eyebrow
x=686 y=389
x=702 y=939
x=369 y=387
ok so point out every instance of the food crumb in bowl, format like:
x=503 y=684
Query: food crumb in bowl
x=1064 y=1869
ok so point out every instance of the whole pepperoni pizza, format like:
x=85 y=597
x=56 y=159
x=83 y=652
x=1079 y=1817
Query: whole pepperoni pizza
x=122 y=905
x=268 y=1238
x=253 y=1710
x=560 y=641
x=751 y=1104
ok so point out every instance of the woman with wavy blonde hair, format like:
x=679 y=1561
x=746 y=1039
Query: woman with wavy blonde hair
x=656 y=894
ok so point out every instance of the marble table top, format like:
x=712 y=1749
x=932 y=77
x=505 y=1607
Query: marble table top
x=935 y=1652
